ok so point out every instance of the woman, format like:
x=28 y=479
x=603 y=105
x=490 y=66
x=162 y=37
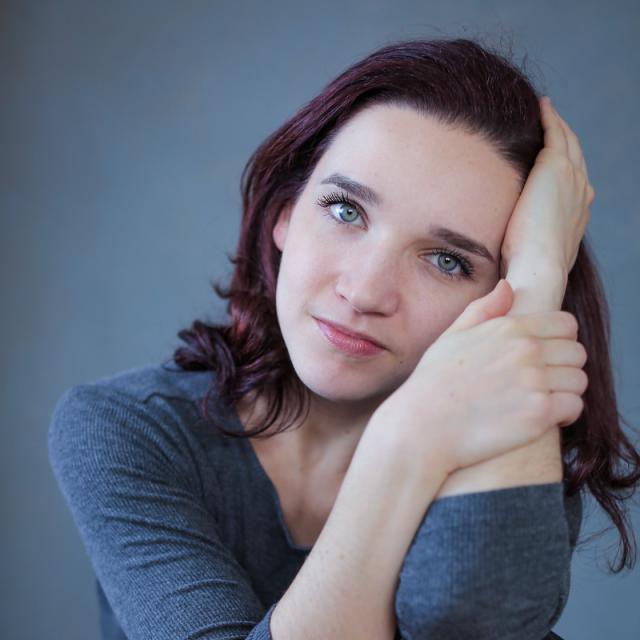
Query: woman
x=371 y=448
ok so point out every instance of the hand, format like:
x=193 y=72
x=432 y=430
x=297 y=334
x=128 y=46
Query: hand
x=552 y=211
x=488 y=384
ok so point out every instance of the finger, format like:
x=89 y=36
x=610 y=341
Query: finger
x=561 y=352
x=569 y=379
x=574 y=148
x=554 y=135
x=565 y=408
x=550 y=324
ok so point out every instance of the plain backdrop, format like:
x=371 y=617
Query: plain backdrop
x=124 y=127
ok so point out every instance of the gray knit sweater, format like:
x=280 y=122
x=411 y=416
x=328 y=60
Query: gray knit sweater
x=187 y=538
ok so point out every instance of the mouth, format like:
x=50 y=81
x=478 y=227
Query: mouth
x=353 y=344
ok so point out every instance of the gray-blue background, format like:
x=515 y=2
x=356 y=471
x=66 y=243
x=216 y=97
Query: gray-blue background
x=124 y=128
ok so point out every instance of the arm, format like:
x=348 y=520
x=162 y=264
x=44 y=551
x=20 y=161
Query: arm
x=537 y=287
x=539 y=249
x=128 y=479
x=493 y=553
x=491 y=564
x=347 y=586
x=497 y=550
x=133 y=490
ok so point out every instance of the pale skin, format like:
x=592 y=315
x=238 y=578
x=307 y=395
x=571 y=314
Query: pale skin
x=384 y=278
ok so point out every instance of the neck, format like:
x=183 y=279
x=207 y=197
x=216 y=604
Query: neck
x=323 y=441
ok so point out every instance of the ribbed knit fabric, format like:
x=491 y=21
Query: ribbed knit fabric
x=187 y=538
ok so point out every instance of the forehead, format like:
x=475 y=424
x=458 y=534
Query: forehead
x=422 y=166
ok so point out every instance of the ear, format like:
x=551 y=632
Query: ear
x=282 y=226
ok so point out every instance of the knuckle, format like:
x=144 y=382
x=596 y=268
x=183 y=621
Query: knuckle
x=562 y=164
x=528 y=347
x=507 y=325
x=534 y=378
x=538 y=406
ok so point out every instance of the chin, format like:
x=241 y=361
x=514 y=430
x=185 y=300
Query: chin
x=336 y=380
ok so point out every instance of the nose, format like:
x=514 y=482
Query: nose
x=370 y=283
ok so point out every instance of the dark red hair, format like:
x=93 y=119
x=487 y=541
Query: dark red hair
x=459 y=82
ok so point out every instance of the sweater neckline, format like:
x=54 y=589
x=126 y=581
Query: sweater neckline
x=275 y=498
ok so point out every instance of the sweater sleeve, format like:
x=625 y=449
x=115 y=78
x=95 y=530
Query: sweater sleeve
x=491 y=564
x=130 y=483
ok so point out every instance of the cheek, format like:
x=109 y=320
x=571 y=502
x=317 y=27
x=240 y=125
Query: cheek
x=428 y=323
x=304 y=267
x=308 y=259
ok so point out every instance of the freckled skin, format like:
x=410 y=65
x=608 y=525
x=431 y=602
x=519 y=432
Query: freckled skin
x=380 y=279
x=380 y=276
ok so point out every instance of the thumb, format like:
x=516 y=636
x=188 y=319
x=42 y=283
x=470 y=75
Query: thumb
x=495 y=303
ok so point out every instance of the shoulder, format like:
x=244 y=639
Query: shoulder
x=165 y=380
x=143 y=389
x=146 y=416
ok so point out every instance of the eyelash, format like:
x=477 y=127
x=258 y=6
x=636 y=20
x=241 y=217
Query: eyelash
x=326 y=201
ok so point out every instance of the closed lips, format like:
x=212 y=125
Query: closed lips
x=350 y=332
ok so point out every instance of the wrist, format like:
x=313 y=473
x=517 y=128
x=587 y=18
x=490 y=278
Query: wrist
x=415 y=453
x=530 y=270
x=536 y=286
x=532 y=257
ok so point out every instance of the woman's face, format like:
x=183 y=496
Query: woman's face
x=378 y=264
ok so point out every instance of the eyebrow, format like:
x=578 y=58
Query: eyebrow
x=461 y=241
x=368 y=195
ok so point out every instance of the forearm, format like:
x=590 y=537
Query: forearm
x=504 y=521
x=494 y=561
x=538 y=286
x=347 y=585
x=487 y=565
